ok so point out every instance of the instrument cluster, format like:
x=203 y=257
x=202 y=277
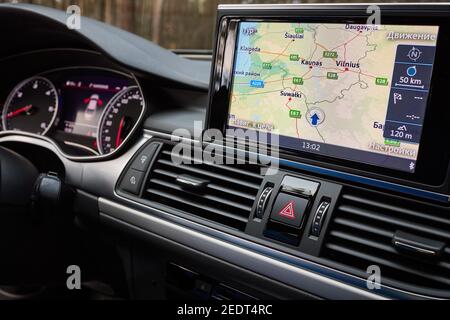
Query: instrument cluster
x=87 y=111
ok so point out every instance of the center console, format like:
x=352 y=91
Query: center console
x=352 y=118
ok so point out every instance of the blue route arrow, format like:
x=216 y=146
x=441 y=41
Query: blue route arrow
x=315 y=119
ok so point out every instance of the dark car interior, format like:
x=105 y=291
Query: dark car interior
x=109 y=157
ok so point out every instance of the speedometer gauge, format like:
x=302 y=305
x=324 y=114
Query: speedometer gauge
x=119 y=119
x=31 y=107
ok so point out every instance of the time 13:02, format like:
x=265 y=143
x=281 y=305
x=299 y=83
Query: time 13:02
x=310 y=146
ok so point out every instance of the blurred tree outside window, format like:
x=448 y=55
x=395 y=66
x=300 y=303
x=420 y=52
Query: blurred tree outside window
x=173 y=24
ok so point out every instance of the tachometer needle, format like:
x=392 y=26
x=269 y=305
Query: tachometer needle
x=119 y=133
x=19 y=112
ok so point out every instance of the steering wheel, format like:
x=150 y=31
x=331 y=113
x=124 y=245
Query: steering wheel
x=17 y=178
x=33 y=247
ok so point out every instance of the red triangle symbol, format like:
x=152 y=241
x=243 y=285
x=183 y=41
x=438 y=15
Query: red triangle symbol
x=288 y=211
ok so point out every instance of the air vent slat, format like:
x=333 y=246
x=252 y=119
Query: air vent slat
x=363 y=241
x=398 y=223
x=375 y=245
x=225 y=194
x=208 y=197
x=213 y=186
x=220 y=167
x=386 y=263
x=231 y=192
x=361 y=234
x=196 y=205
x=396 y=209
x=364 y=227
x=195 y=170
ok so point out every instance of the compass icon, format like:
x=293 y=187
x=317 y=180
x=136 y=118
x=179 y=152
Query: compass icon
x=414 y=54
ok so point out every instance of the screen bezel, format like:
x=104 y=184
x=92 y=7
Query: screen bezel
x=432 y=163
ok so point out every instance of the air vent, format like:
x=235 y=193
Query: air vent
x=364 y=232
x=220 y=193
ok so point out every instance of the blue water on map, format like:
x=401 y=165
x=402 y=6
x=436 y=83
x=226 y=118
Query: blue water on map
x=243 y=58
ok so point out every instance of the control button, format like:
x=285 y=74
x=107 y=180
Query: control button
x=319 y=218
x=132 y=181
x=143 y=160
x=290 y=210
x=262 y=202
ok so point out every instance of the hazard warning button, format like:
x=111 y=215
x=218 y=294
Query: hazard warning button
x=290 y=210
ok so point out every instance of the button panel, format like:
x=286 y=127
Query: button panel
x=133 y=180
x=291 y=208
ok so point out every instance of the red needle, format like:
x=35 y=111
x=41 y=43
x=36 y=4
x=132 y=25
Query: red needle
x=18 y=112
x=119 y=133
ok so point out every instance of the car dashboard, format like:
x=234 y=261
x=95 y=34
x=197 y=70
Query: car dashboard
x=105 y=109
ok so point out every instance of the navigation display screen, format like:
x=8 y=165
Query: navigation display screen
x=355 y=92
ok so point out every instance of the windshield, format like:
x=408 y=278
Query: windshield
x=173 y=24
